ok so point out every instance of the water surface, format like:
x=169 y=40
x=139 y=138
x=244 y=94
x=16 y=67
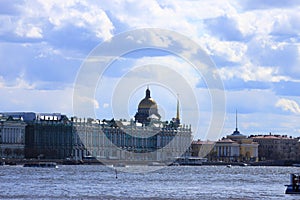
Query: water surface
x=176 y=182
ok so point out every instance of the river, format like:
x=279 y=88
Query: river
x=175 y=182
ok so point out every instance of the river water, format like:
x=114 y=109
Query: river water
x=175 y=182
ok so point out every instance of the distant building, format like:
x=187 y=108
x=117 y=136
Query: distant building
x=226 y=150
x=49 y=136
x=88 y=139
x=146 y=138
x=45 y=135
x=12 y=137
x=277 y=147
x=234 y=148
x=25 y=116
x=201 y=148
x=248 y=149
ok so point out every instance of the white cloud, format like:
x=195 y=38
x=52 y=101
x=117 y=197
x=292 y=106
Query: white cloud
x=18 y=83
x=105 y=105
x=286 y=22
x=22 y=84
x=230 y=50
x=41 y=17
x=141 y=14
x=174 y=63
x=256 y=22
x=248 y=72
x=2 y=82
x=266 y=50
x=23 y=99
x=288 y=105
x=85 y=101
x=29 y=31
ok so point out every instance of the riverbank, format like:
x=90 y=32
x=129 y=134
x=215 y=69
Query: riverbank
x=58 y=161
x=83 y=162
x=282 y=163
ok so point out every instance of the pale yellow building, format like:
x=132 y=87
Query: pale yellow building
x=248 y=148
x=234 y=148
x=202 y=148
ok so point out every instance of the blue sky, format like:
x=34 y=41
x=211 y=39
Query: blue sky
x=254 y=45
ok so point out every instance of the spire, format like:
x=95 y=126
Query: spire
x=236 y=132
x=177 y=113
x=236 y=125
x=148 y=92
x=177 y=119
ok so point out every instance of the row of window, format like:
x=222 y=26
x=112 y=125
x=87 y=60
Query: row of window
x=12 y=135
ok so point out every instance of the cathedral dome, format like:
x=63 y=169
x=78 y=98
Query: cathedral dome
x=147 y=102
x=147 y=109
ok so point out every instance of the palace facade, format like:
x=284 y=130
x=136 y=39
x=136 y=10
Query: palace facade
x=12 y=137
x=144 y=138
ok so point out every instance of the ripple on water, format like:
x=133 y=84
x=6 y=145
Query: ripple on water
x=178 y=182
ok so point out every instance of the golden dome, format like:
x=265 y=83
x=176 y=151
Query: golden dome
x=147 y=109
x=148 y=103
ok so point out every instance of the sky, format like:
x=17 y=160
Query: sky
x=253 y=44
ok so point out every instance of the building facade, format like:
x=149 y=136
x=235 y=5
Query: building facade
x=202 y=149
x=145 y=138
x=236 y=147
x=226 y=150
x=12 y=137
x=49 y=136
x=277 y=147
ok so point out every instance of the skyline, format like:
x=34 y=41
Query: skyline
x=254 y=45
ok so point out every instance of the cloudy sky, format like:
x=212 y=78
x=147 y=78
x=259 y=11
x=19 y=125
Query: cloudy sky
x=254 y=45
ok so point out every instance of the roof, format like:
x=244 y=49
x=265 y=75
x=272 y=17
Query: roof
x=147 y=103
x=236 y=132
x=226 y=140
x=203 y=142
x=275 y=137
